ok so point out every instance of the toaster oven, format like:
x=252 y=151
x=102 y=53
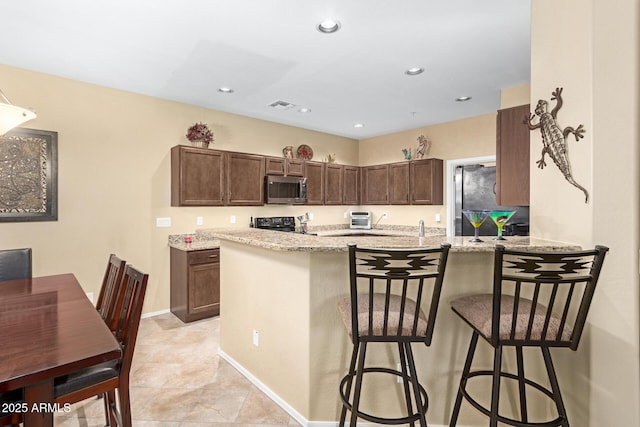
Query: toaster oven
x=360 y=220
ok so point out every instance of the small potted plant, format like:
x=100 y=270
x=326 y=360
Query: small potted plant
x=200 y=135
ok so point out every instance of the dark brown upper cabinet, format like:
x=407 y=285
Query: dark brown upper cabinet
x=399 y=183
x=314 y=171
x=197 y=177
x=512 y=157
x=245 y=179
x=375 y=185
x=351 y=185
x=283 y=166
x=425 y=180
x=333 y=184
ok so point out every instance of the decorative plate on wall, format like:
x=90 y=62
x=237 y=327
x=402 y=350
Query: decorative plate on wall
x=305 y=152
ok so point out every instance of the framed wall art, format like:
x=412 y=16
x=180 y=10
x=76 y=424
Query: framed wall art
x=28 y=175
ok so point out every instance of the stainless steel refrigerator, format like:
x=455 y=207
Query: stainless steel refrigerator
x=476 y=189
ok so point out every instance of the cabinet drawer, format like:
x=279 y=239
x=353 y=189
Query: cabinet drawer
x=204 y=256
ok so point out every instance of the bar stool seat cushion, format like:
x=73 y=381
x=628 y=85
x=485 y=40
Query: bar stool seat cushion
x=477 y=311
x=393 y=320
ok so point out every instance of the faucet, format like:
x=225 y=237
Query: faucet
x=421 y=228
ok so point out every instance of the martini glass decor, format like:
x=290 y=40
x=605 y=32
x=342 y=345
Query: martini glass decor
x=476 y=218
x=500 y=218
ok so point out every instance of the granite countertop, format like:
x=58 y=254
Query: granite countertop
x=327 y=241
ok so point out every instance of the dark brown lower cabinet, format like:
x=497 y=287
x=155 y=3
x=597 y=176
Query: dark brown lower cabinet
x=195 y=283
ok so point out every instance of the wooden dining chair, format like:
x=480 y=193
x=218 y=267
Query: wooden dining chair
x=111 y=376
x=112 y=278
x=15 y=264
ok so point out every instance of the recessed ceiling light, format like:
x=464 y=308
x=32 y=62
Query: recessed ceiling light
x=358 y=125
x=329 y=26
x=225 y=90
x=304 y=110
x=414 y=71
x=463 y=98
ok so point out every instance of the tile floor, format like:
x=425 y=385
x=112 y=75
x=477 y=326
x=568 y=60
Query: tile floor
x=178 y=380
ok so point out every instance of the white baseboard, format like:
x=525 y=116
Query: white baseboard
x=155 y=313
x=283 y=404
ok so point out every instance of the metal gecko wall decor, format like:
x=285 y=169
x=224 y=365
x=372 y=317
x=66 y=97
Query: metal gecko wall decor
x=554 y=139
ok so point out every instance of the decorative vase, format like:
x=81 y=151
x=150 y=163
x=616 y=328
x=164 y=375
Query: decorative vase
x=200 y=144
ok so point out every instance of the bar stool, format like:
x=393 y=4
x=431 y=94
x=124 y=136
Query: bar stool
x=388 y=288
x=540 y=299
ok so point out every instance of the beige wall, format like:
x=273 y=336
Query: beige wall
x=594 y=56
x=114 y=176
x=466 y=138
x=114 y=173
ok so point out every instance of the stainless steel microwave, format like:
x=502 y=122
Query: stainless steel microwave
x=285 y=190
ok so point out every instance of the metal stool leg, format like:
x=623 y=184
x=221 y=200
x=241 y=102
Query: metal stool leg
x=463 y=379
x=351 y=373
x=521 y=385
x=495 y=388
x=414 y=382
x=356 y=396
x=555 y=388
x=405 y=382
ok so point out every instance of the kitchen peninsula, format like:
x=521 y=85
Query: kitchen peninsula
x=280 y=326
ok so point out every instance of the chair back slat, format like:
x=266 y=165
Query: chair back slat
x=545 y=295
x=128 y=311
x=392 y=287
x=109 y=289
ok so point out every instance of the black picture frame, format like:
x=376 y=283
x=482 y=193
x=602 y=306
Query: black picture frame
x=28 y=175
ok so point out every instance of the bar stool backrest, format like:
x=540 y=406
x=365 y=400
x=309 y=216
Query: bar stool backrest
x=543 y=298
x=391 y=286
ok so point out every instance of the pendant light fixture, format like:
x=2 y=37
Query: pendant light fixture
x=12 y=115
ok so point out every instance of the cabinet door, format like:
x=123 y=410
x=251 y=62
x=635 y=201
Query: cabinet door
x=245 y=179
x=399 y=183
x=314 y=171
x=512 y=157
x=351 y=187
x=197 y=176
x=294 y=167
x=426 y=182
x=375 y=185
x=274 y=165
x=333 y=184
x=204 y=290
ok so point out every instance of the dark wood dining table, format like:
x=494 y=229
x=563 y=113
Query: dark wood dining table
x=48 y=328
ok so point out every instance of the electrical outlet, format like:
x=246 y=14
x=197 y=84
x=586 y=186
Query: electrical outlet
x=385 y=215
x=90 y=296
x=199 y=220
x=344 y=215
x=438 y=218
x=256 y=338
x=310 y=216
x=232 y=219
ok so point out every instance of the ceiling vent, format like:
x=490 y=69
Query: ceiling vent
x=281 y=105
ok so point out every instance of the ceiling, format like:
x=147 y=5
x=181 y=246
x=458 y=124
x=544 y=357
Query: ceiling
x=270 y=50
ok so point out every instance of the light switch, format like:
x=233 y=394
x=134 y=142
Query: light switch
x=232 y=219
x=163 y=222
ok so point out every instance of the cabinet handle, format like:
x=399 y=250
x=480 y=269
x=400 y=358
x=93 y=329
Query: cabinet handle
x=213 y=256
